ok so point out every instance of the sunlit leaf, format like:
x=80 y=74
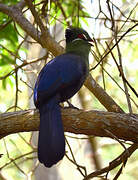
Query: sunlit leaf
x=9 y=2
x=5 y=59
x=9 y=33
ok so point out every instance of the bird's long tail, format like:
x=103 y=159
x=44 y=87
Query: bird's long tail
x=51 y=142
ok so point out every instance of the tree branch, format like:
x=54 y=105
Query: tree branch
x=45 y=39
x=102 y=96
x=123 y=126
x=116 y=162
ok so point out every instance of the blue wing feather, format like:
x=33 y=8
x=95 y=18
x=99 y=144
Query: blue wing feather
x=58 y=73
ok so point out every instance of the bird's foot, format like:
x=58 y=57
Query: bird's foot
x=71 y=106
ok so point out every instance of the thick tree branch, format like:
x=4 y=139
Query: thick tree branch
x=102 y=96
x=123 y=126
x=36 y=16
x=44 y=39
x=16 y=14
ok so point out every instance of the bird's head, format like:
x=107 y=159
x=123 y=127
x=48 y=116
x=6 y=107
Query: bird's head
x=73 y=34
x=78 y=41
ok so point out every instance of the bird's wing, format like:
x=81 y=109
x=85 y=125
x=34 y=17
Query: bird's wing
x=58 y=73
x=47 y=82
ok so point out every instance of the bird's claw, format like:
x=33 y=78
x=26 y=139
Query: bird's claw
x=71 y=106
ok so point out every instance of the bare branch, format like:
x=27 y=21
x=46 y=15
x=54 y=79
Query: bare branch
x=120 y=159
x=102 y=96
x=123 y=126
x=45 y=39
x=36 y=16
x=115 y=45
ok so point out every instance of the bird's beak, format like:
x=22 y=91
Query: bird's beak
x=90 y=41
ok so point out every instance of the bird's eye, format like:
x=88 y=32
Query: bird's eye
x=82 y=36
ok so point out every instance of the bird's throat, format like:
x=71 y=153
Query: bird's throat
x=81 y=50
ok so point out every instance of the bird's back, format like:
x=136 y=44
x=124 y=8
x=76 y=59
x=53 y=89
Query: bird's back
x=65 y=74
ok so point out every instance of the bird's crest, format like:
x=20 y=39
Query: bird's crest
x=74 y=33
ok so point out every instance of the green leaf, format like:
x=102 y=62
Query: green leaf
x=4 y=83
x=3 y=18
x=5 y=60
x=9 y=34
x=9 y=2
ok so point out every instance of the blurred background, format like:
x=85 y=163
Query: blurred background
x=106 y=22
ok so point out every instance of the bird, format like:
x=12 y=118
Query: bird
x=58 y=81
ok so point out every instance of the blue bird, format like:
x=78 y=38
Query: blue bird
x=58 y=81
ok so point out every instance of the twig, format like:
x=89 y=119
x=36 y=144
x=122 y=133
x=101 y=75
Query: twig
x=114 y=163
x=22 y=65
x=114 y=137
x=36 y=16
x=120 y=170
x=78 y=166
x=134 y=91
x=17 y=158
x=114 y=46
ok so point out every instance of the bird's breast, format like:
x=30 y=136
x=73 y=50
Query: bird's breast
x=69 y=90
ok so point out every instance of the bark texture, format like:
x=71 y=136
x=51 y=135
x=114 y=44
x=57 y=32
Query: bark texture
x=96 y=123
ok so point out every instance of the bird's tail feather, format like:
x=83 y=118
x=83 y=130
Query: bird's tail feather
x=51 y=142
